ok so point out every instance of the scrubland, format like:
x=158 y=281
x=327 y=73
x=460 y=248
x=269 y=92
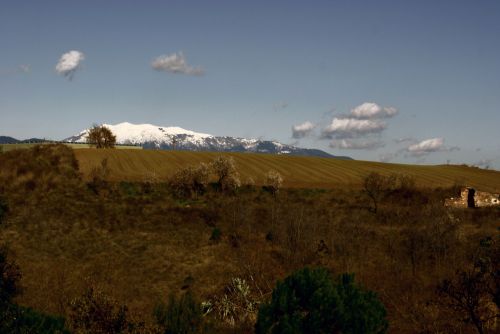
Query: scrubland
x=74 y=222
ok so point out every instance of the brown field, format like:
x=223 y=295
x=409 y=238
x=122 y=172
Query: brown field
x=298 y=172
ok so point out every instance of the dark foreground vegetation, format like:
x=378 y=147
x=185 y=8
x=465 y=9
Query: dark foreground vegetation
x=206 y=252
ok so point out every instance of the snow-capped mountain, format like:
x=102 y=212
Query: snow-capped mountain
x=157 y=137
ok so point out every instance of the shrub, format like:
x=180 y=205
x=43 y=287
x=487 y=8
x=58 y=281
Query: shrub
x=18 y=319
x=99 y=176
x=3 y=209
x=9 y=288
x=273 y=182
x=474 y=294
x=224 y=169
x=375 y=186
x=216 y=235
x=9 y=279
x=231 y=183
x=180 y=316
x=26 y=320
x=309 y=301
x=94 y=312
x=190 y=181
x=47 y=168
x=236 y=306
x=101 y=137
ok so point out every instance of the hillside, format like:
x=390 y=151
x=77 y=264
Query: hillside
x=8 y=140
x=138 y=243
x=308 y=172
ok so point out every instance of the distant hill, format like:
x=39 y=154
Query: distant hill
x=34 y=141
x=8 y=140
x=167 y=138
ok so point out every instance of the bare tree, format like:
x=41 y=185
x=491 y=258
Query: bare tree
x=474 y=293
x=101 y=137
x=273 y=181
x=224 y=169
x=375 y=186
x=190 y=181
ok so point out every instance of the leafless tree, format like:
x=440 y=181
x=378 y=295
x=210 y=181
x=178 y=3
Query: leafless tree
x=101 y=137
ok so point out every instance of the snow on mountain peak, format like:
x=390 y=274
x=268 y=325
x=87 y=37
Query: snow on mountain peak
x=128 y=133
x=150 y=136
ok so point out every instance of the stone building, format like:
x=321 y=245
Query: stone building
x=471 y=198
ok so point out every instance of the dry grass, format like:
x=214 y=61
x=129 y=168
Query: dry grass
x=139 y=243
x=297 y=172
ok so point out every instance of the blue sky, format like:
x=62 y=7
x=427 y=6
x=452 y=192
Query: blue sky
x=266 y=66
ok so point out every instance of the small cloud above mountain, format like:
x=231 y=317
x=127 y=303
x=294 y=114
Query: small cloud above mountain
x=370 y=110
x=69 y=63
x=427 y=146
x=360 y=129
x=176 y=63
x=341 y=128
x=302 y=130
x=347 y=144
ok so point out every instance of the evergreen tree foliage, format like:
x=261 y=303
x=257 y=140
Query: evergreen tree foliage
x=309 y=301
x=17 y=319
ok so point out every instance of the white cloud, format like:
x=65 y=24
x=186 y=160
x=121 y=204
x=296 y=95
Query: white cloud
x=302 y=130
x=347 y=144
x=349 y=127
x=69 y=63
x=427 y=146
x=372 y=110
x=175 y=63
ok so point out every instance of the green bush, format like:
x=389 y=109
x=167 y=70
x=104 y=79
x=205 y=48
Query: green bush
x=180 y=316
x=216 y=235
x=17 y=319
x=309 y=301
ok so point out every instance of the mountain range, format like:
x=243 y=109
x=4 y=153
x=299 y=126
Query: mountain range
x=167 y=138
